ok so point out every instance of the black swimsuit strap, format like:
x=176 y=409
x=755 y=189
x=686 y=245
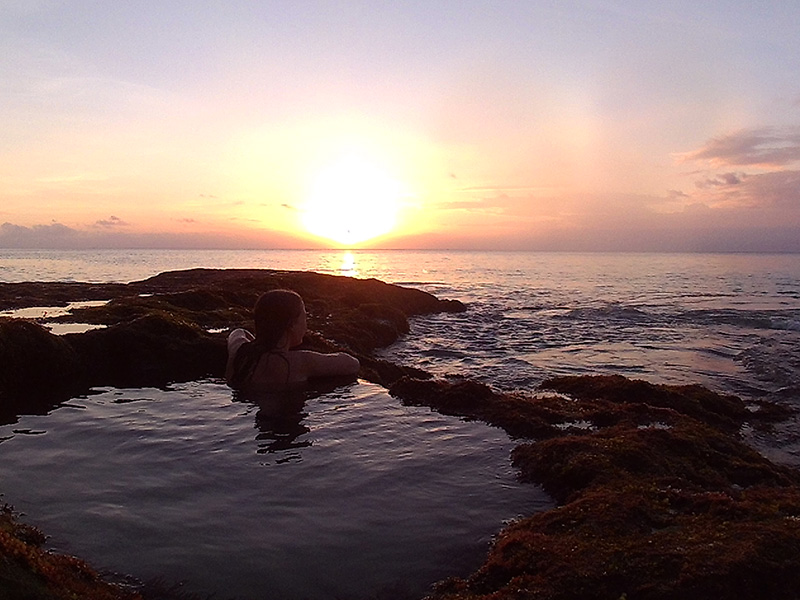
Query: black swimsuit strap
x=286 y=360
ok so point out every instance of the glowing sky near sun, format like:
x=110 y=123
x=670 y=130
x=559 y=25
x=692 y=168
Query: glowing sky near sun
x=574 y=125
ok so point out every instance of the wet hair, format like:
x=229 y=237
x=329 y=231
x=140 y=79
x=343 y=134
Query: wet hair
x=274 y=313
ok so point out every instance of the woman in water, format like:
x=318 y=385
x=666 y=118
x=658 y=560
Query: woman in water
x=267 y=362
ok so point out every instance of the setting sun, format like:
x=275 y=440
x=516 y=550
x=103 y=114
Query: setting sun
x=352 y=199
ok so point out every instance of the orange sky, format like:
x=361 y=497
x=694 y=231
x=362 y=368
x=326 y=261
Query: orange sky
x=584 y=125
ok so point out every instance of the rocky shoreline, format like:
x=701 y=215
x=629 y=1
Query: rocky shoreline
x=658 y=497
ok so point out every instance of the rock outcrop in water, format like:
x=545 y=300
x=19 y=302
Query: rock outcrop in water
x=658 y=497
x=172 y=327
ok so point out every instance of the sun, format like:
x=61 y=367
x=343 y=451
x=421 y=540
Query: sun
x=350 y=200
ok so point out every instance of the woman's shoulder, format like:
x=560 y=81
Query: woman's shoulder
x=237 y=337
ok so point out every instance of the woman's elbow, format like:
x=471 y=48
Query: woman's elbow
x=357 y=365
x=346 y=364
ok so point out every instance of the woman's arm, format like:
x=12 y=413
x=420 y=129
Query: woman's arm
x=236 y=338
x=329 y=365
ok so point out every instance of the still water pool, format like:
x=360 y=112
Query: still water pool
x=352 y=495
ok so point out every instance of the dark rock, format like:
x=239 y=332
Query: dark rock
x=151 y=350
x=37 y=368
x=521 y=416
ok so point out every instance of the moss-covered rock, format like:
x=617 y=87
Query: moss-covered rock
x=36 y=368
x=29 y=572
x=152 y=350
x=658 y=497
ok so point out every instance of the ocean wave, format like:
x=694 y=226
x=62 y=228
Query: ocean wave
x=785 y=323
x=775 y=361
x=443 y=353
x=741 y=318
x=610 y=312
x=414 y=283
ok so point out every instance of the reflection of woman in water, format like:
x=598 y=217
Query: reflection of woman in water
x=267 y=361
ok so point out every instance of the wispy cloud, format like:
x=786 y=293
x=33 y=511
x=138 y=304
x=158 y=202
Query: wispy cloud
x=676 y=194
x=722 y=180
x=72 y=179
x=765 y=147
x=505 y=188
x=779 y=189
x=498 y=204
x=110 y=223
x=768 y=175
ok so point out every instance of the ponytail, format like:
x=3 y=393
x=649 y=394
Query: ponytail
x=274 y=313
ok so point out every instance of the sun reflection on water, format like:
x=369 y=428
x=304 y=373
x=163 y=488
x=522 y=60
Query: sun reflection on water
x=348 y=266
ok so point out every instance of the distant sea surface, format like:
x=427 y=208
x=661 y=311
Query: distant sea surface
x=727 y=321
x=730 y=321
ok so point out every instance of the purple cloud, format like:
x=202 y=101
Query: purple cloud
x=676 y=194
x=759 y=147
x=777 y=189
x=54 y=235
x=722 y=180
x=109 y=223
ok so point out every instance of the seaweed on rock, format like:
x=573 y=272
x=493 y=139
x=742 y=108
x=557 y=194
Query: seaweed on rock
x=664 y=501
x=29 y=571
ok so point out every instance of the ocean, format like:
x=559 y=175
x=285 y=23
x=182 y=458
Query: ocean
x=338 y=496
x=729 y=321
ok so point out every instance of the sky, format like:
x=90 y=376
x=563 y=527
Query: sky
x=570 y=125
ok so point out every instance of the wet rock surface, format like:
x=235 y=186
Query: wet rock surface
x=658 y=496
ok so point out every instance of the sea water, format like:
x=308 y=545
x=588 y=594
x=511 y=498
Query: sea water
x=728 y=321
x=352 y=496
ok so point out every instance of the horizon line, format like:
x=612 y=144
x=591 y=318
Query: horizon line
x=367 y=250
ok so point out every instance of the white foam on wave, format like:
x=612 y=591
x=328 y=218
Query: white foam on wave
x=785 y=324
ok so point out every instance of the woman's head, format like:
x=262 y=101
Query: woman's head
x=279 y=313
